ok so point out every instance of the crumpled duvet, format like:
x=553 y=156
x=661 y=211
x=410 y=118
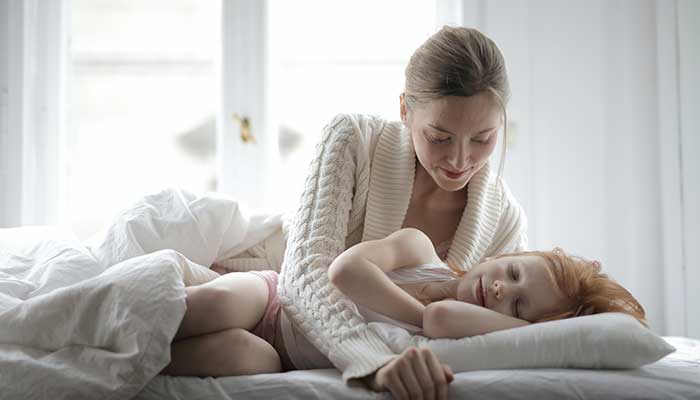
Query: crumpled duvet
x=95 y=320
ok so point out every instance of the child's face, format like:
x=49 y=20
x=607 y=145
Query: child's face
x=518 y=286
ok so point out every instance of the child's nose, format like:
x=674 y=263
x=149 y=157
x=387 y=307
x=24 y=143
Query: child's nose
x=498 y=289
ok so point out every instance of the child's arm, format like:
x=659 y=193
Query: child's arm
x=457 y=319
x=360 y=273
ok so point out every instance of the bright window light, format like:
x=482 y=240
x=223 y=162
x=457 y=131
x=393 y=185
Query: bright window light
x=331 y=57
x=144 y=92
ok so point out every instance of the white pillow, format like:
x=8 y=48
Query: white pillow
x=601 y=341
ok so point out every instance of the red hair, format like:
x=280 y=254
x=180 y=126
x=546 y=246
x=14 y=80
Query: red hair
x=580 y=280
x=591 y=291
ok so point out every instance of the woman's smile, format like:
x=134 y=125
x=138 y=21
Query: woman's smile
x=454 y=175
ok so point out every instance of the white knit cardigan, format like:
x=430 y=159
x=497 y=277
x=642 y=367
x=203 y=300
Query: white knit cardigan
x=358 y=188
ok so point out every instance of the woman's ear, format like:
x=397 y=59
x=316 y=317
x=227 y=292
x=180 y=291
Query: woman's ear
x=402 y=103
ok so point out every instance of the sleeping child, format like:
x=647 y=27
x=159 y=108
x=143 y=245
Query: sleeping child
x=402 y=278
x=234 y=324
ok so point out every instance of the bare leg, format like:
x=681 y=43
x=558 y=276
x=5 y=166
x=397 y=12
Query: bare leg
x=235 y=300
x=225 y=353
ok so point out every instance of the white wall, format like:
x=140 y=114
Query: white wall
x=669 y=144
x=689 y=74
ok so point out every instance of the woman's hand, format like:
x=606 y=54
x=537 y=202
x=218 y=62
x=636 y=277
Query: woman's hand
x=415 y=374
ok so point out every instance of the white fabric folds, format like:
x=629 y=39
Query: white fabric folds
x=96 y=322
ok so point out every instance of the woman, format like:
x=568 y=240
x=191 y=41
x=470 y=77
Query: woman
x=368 y=179
x=430 y=171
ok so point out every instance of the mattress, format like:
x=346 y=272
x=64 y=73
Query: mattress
x=676 y=376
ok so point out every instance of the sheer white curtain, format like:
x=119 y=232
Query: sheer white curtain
x=32 y=111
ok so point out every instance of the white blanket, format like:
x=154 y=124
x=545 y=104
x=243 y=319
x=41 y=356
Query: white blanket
x=87 y=322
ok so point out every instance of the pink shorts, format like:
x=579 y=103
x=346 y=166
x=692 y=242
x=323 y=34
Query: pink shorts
x=267 y=327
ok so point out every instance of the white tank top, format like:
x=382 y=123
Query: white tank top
x=408 y=276
x=305 y=356
x=421 y=274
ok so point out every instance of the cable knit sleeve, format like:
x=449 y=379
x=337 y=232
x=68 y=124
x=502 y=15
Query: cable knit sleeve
x=335 y=185
x=511 y=233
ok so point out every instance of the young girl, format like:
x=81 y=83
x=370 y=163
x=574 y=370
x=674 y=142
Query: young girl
x=399 y=279
x=402 y=278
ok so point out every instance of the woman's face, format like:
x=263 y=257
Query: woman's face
x=519 y=286
x=454 y=136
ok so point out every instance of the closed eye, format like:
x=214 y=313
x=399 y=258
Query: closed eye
x=482 y=139
x=439 y=141
x=514 y=273
x=435 y=139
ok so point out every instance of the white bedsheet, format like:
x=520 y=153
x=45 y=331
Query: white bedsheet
x=677 y=376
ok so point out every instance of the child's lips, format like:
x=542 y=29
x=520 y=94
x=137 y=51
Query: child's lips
x=480 y=293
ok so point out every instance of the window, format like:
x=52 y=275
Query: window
x=335 y=57
x=144 y=93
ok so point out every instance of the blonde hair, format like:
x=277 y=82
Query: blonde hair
x=458 y=61
x=582 y=282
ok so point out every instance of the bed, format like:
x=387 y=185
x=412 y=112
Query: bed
x=677 y=376
x=94 y=320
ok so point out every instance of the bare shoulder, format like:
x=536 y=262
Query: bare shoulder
x=415 y=245
x=404 y=248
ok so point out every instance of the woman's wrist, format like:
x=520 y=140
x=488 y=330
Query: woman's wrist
x=371 y=382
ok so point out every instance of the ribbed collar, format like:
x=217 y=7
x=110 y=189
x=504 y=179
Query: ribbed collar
x=391 y=184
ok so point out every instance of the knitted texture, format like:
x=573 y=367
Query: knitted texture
x=341 y=193
x=327 y=318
